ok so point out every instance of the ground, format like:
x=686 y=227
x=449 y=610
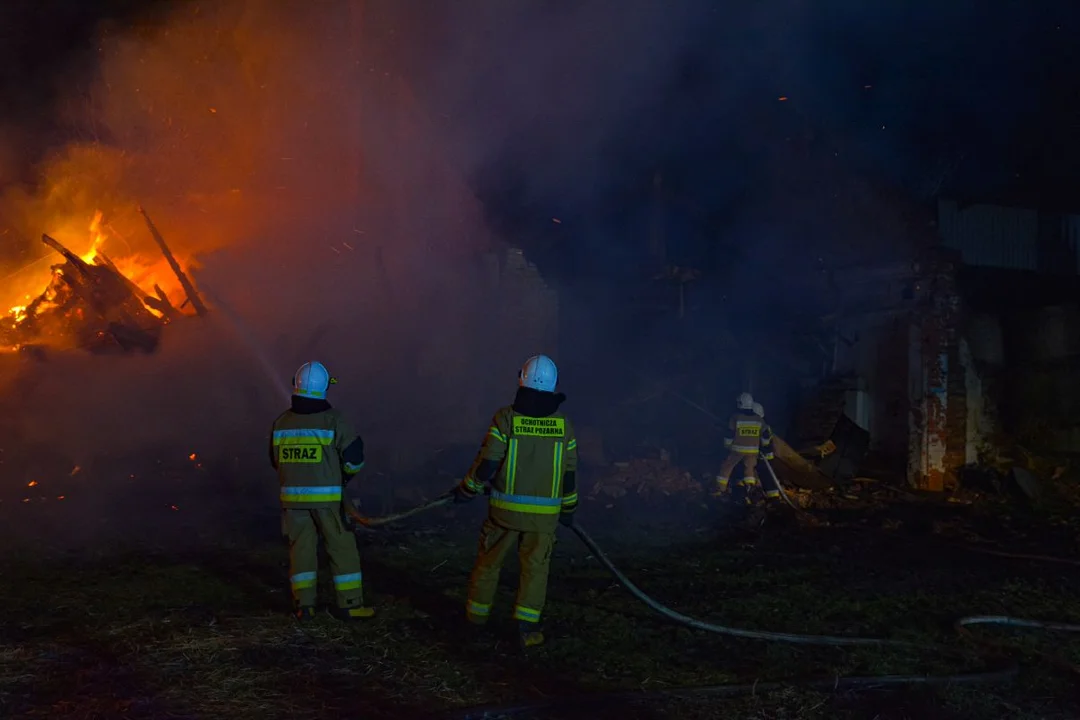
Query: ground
x=198 y=628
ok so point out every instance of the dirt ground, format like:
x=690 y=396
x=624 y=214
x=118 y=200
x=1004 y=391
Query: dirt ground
x=162 y=604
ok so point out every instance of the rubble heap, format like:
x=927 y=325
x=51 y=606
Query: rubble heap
x=646 y=477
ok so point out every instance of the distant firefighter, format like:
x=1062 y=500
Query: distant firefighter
x=529 y=457
x=315 y=452
x=744 y=441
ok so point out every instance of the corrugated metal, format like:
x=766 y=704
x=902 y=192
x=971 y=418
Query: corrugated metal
x=991 y=236
x=1071 y=228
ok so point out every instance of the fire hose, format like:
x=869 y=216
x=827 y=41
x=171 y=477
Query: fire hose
x=835 y=683
x=370 y=522
x=447 y=498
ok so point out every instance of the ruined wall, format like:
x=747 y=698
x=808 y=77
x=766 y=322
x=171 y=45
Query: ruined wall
x=936 y=382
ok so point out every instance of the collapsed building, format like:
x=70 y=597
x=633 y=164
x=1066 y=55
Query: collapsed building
x=962 y=357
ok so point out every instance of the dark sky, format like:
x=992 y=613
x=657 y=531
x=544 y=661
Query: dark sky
x=896 y=91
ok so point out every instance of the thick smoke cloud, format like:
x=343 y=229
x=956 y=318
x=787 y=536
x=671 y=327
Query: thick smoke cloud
x=306 y=195
x=576 y=104
x=317 y=164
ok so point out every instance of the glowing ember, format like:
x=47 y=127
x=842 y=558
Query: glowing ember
x=32 y=483
x=191 y=456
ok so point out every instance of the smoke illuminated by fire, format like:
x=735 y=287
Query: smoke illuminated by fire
x=262 y=138
x=211 y=120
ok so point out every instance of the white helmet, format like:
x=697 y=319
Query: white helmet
x=539 y=373
x=745 y=402
x=759 y=410
x=311 y=380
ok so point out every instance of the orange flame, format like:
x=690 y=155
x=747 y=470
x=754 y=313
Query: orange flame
x=146 y=274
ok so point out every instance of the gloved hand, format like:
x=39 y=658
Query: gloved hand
x=461 y=495
x=566 y=519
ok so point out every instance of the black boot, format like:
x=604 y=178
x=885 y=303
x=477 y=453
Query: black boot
x=304 y=613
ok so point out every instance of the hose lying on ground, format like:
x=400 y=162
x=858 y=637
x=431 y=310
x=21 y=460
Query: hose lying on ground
x=667 y=612
x=730 y=690
x=1023 y=556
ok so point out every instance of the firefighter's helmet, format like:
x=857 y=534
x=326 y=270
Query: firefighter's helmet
x=539 y=373
x=759 y=410
x=745 y=402
x=312 y=380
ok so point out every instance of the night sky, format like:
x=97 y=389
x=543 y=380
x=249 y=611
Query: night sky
x=978 y=100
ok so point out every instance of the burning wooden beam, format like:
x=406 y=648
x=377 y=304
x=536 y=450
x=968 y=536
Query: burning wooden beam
x=76 y=261
x=161 y=304
x=117 y=301
x=189 y=289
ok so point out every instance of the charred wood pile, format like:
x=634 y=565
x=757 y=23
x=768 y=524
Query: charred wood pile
x=92 y=306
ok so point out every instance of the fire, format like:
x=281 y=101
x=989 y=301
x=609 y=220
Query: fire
x=93 y=288
x=98 y=237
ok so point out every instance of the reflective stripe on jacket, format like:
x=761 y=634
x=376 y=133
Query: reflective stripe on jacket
x=536 y=457
x=744 y=430
x=307 y=452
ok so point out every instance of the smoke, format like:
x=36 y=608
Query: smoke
x=305 y=193
x=317 y=166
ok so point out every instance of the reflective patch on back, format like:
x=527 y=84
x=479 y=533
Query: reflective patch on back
x=300 y=454
x=747 y=429
x=553 y=427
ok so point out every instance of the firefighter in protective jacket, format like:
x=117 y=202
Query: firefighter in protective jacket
x=315 y=452
x=744 y=441
x=529 y=457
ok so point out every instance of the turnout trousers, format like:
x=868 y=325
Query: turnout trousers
x=303 y=528
x=749 y=463
x=534 y=557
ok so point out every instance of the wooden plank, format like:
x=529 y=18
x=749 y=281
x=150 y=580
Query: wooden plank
x=189 y=289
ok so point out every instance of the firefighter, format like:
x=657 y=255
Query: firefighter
x=529 y=457
x=744 y=443
x=315 y=453
x=772 y=492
